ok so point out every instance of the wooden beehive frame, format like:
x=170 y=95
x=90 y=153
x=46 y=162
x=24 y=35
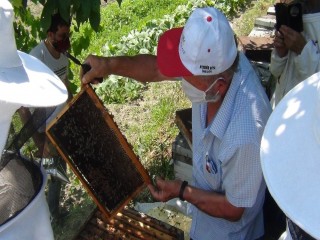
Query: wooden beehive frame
x=71 y=134
x=127 y=224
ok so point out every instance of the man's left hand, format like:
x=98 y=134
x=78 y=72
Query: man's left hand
x=164 y=190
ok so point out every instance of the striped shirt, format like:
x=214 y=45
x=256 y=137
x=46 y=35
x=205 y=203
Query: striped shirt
x=226 y=157
x=58 y=66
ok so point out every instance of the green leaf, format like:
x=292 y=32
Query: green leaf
x=95 y=21
x=16 y=3
x=119 y=2
x=82 y=43
x=64 y=9
x=41 y=1
x=47 y=11
x=95 y=5
x=85 y=9
x=75 y=6
x=95 y=15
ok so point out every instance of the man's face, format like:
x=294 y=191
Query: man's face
x=60 y=39
x=62 y=33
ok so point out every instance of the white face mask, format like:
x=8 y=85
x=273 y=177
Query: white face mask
x=196 y=95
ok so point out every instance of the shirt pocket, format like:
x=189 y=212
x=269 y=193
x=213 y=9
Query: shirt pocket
x=212 y=172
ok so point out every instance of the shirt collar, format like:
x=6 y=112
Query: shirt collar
x=220 y=122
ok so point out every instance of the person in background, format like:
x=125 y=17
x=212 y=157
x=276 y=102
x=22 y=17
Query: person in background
x=51 y=52
x=229 y=112
x=296 y=56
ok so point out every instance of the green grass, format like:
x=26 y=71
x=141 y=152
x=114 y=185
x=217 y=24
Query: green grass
x=119 y=21
x=148 y=123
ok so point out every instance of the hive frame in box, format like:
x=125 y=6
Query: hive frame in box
x=88 y=139
x=128 y=224
x=183 y=120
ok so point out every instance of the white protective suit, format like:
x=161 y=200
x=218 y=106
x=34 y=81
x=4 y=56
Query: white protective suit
x=292 y=69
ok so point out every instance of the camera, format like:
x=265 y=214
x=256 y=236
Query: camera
x=289 y=15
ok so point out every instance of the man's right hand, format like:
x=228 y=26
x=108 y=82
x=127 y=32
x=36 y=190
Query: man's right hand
x=98 y=70
x=279 y=45
x=288 y=39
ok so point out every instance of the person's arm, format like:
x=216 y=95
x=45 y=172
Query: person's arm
x=307 y=59
x=278 y=42
x=279 y=55
x=286 y=39
x=308 y=62
x=277 y=64
x=240 y=189
x=142 y=68
x=212 y=203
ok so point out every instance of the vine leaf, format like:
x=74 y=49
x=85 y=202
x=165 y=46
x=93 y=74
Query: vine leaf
x=119 y=2
x=16 y=3
x=64 y=9
x=95 y=15
x=48 y=9
x=85 y=9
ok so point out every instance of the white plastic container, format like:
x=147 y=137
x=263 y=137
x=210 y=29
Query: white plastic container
x=33 y=222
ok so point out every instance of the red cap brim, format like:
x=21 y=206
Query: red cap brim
x=168 y=58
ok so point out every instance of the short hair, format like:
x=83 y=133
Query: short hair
x=57 y=21
x=235 y=64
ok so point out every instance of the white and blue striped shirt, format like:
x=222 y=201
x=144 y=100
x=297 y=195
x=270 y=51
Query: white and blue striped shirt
x=226 y=157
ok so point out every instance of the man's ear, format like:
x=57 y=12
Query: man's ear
x=222 y=86
x=50 y=35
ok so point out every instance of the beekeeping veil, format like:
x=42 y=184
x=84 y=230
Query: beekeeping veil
x=24 y=81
